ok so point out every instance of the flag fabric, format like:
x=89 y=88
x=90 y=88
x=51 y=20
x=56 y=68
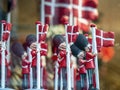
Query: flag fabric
x=86 y=9
x=55 y=10
x=74 y=10
x=6 y=32
x=72 y=32
x=42 y=32
x=103 y=39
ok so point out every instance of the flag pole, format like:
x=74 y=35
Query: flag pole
x=30 y=59
x=3 y=59
x=94 y=49
x=68 y=61
x=56 y=75
x=38 y=57
x=42 y=12
x=71 y=14
x=8 y=41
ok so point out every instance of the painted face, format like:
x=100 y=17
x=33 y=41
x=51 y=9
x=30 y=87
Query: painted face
x=81 y=55
x=62 y=46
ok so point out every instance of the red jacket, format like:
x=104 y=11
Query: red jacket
x=6 y=63
x=25 y=66
x=81 y=68
x=62 y=58
x=89 y=60
x=34 y=58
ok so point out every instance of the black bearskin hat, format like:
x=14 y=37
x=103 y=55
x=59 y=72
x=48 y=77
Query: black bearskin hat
x=57 y=40
x=30 y=39
x=17 y=49
x=75 y=50
x=81 y=42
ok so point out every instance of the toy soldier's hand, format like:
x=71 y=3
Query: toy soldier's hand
x=33 y=46
x=62 y=46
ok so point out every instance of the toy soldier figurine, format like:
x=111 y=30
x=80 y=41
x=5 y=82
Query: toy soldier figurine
x=90 y=66
x=79 y=54
x=31 y=43
x=81 y=42
x=59 y=44
x=19 y=51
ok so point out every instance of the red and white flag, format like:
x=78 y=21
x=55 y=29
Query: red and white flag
x=86 y=9
x=55 y=10
x=72 y=32
x=78 y=12
x=103 y=39
x=42 y=31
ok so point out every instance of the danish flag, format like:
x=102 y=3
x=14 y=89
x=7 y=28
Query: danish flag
x=6 y=31
x=42 y=31
x=75 y=10
x=103 y=39
x=72 y=32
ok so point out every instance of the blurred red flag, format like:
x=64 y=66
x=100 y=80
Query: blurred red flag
x=79 y=12
x=107 y=53
x=72 y=32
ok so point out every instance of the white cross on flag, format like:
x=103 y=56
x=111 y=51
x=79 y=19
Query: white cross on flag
x=103 y=39
x=87 y=10
x=72 y=32
x=42 y=31
x=78 y=11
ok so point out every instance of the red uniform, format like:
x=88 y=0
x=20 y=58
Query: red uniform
x=62 y=58
x=44 y=48
x=89 y=61
x=34 y=58
x=6 y=63
x=81 y=68
x=25 y=66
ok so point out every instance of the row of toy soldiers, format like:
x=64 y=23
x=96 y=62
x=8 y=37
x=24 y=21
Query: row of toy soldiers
x=82 y=50
x=21 y=51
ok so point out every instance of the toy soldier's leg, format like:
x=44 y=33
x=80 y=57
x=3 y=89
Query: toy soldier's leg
x=64 y=78
x=25 y=81
x=59 y=81
x=90 y=77
x=82 y=81
x=6 y=79
x=78 y=85
x=34 y=77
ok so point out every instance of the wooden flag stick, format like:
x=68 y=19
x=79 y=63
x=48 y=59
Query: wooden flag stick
x=56 y=75
x=38 y=57
x=42 y=12
x=94 y=49
x=2 y=59
x=31 y=74
x=68 y=61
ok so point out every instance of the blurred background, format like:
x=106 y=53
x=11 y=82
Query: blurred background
x=26 y=12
